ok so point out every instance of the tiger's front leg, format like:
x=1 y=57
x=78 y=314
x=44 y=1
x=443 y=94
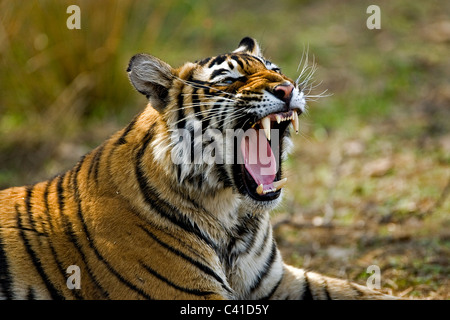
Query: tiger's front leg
x=298 y=284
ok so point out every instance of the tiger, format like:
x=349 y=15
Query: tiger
x=149 y=214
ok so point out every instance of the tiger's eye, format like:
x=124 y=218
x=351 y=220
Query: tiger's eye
x=228 y=81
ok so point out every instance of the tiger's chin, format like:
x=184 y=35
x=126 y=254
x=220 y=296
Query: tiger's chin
x=260 y=206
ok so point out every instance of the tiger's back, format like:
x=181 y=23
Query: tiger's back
x=132 y=221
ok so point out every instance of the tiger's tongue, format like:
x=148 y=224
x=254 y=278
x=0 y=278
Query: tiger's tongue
x=259 y=159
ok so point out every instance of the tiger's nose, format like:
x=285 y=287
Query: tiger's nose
x=284 y=91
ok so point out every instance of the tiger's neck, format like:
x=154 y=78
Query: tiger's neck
x=140 y=170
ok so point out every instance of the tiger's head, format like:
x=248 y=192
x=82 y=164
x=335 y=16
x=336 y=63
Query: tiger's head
x=228 y=119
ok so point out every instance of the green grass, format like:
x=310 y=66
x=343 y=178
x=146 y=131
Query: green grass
x=65 y=91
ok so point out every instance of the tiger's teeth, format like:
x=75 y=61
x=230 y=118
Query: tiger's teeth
x=278 y=117
x=260 y=189
x=265 y=123
x=279 y=184
x=295 y=121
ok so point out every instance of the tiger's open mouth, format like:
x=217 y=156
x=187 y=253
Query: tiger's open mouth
x=261 y=151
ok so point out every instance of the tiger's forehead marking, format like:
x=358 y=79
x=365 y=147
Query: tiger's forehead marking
x=234 y=65
x=231 y=64
x=220 y=65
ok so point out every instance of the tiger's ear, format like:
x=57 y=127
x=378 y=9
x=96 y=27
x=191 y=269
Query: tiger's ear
x=151 y=77
x=250 y=46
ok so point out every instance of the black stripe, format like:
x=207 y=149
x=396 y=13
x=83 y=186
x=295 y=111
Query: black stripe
x=28 y=206
x=29 y=229
x=90 y=238
x=170 y=283
x=122 y=139
x=205 y=122
x=47 y=208
x=221 y=169
x=35 y=260
x=270 y=294
x=238 y=60
x=181 y=238
x=179 y=168
x=192 y=135
x=29 y=194
x=201 y=179
x=307 y=294
x=254 y=223
x=196 y=181
x=197 y=264
x=60 y=193
x=218 y=72
x=181 y=121
x=247 y=225
x=29 y=191
x=248 y=58
x=190 y=75
x=58 y=262
x=31 y=295
x=217 y=60
x=250 y=243
x=242 y=79
x=95 y=163
x=216 y=107
x=69 y=229
x=5 y=278
x=266 y=237
x=266 y=269
x=203 y=62
x=223 y=114
x=76 y=193
x=223 y=175
x=160 y=206
x=196 y=104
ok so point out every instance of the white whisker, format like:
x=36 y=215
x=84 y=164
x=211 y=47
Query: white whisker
x=208 y=96
x=211 y=113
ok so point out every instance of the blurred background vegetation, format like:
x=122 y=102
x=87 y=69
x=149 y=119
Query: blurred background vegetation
x=369 y=176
